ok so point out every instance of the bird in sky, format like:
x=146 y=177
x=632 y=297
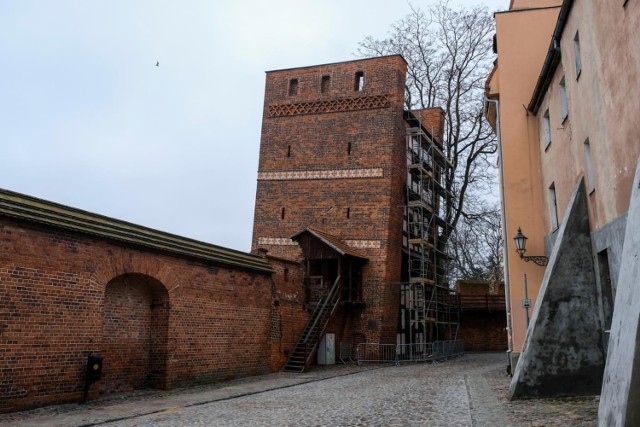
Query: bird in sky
x=157 y=63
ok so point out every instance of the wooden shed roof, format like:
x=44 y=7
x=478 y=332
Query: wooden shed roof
x=332 y=241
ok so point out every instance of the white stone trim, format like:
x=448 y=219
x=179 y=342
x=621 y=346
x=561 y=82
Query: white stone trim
x=284 y=241
x=364 y=244
x=276 y=241
x=321 y=174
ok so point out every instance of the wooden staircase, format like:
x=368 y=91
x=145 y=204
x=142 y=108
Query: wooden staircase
x=307 y=344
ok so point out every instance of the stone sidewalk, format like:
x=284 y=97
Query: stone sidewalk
x=466 y=391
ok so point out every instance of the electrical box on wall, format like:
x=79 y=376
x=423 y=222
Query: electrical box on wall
x=327 y=350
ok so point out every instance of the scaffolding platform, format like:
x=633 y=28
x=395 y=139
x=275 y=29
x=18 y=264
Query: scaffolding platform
x=429 y=308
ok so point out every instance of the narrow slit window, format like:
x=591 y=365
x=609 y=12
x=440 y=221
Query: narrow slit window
x=293 y=87
x=546 y=130
x=325 y=84
x=564 y=103
x=553 y=207
x=281 y=213
x=286 y=274
x=289 y=151
x=359 y=83
x=348 y=213
x=349 y=148
x=576 y=49
x=589 y=166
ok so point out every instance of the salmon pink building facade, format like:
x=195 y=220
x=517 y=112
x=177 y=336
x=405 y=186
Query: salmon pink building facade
x=560 y=100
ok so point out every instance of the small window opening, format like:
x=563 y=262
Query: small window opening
x=324 y=84
x=589 y=165
x=286 y=274
x=293 y=87
x=348 y=213
x=564 y=106
x=289 y=151
x=359 y=84
x=546 y=123
x=576 y=48
x=553 y=207
x=349 y=148
x=282 y=213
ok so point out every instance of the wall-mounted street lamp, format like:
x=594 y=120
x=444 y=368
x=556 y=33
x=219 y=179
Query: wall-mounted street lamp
x=521 y=248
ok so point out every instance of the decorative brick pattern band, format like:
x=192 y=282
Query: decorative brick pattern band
x=330 y=106
x=321 y=174
x=284 y=241
x=276 y=241
x=363 y=244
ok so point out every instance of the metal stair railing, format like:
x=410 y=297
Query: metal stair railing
x=317 y=324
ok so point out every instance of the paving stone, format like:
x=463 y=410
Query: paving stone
x=466 y=391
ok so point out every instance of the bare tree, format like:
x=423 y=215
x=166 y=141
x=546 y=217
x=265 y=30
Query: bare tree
x=449 y=57
x=477 y=246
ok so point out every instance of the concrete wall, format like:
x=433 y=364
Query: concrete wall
x=620 y=397
x=563 y=352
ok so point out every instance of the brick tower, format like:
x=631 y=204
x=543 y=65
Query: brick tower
x=331 y=176
x=336 y=151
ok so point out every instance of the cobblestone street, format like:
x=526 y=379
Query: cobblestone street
x=467 y=391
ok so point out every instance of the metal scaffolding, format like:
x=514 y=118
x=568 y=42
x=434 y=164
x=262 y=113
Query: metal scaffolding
x=429 y=308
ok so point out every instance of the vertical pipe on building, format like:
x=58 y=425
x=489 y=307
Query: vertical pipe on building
x=505 y=252
x=526 y=299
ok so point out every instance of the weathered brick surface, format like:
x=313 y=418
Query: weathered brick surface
x=432 y=119
x=484 y=331
x=483 y=321
x=365 y=136
x=158 y=320
x=288 y=313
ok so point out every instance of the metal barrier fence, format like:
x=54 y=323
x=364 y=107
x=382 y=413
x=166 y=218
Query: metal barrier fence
x=417 y=352
x=381 y=353
x=444 y=349
x=402 y=353
x=346 y=352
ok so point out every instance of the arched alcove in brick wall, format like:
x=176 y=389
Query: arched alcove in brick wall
x=136 y=319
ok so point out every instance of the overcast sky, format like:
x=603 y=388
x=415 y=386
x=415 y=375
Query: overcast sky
x=89 y=121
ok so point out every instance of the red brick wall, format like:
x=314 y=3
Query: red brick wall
x=288 y=313
x=363 y=135
x=473 y=287
x=134 y=335
x=63 y=296
x=432 y=119
x=484 y=331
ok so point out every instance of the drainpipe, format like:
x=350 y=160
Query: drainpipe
x=505 y=252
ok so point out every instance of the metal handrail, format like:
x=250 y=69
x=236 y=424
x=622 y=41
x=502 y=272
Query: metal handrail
x=319 y=314
x=319 y=308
